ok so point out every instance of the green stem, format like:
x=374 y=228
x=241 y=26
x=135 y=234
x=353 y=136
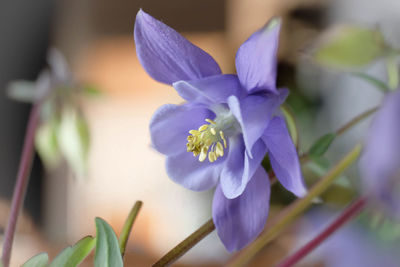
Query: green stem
x=186 y=244
x=304 y=158
x=289 y=214
x=356 y=120
x=392 y=72
x=126 y=230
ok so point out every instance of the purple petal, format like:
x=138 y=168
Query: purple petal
x=239 y=221
x=166 y=55
x=186 y=170
x=239 y=167
x=380 y=162
x=213 y=89
x=253 y=114
x=256 y=59
x=58 y=66
x=170 y=126
x=283 y=157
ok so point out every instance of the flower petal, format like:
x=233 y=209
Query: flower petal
x=239 y=167
x=380 y=161
x=166 y=55
x=170 y=126
x=58 y=66
x=253 y=114
x=256 y=59
x=213 y=89
x=283 y=156
x=239 y=221
x=188 y=171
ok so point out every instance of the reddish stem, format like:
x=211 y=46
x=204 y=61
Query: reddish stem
x=350 y=212
x=21 y=184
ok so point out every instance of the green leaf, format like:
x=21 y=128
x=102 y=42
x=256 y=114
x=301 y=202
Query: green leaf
x=372 y=80
x=392 y=72
x=74 y=255
x=46 y=143
x=350 y=46
x=319 y=165
x=73 y=139
x=107 y=248
x=91 y=90
x=40 y=260
x=321 y=145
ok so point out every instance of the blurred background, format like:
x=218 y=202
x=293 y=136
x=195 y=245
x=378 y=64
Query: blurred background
x=97 y=39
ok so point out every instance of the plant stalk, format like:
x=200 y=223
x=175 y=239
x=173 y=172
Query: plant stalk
x=356 y=120
x=186 y=244
x=350 y=212
x=21 y=184
x=289 y=214
x=126 y=229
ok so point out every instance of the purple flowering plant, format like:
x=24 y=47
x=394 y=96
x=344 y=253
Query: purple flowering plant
x=220 y=135
x=218 y=139
x=380 y=162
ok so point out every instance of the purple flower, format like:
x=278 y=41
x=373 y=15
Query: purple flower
x=352 y=245
x=220 y=135
x=380 y=162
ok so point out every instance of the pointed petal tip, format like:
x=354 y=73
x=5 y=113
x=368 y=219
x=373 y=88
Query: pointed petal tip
x=256 y=58
x=166 y=55
x=301 y=191
x=273 y=23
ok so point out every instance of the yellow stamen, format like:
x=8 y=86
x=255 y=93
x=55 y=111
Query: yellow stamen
x=210 y=121
x=203 y=154
x=221 y=133
x=219 y=149
x=203 y=127
x=205 y=142
x=211 y=156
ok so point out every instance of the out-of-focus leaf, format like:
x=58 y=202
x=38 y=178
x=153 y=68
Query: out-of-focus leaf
x=321 y=145
x=319 y=166
x=47 y=144
x=372 y=80
x=338 y=195
x=392 y=72
x=384 y=228
x=73 y=139
x=40 y=260
x=350 y=46
x=291 y=123
x=24 y=91
x=74 y=255
x=107 y=248
x=91 y=90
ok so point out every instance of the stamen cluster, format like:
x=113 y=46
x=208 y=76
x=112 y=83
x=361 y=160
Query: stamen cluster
x=207 y=141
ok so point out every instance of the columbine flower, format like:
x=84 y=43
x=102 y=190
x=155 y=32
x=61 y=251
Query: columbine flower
x=221 y=134
x=380 y=162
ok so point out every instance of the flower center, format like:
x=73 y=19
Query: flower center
x=207 y=140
